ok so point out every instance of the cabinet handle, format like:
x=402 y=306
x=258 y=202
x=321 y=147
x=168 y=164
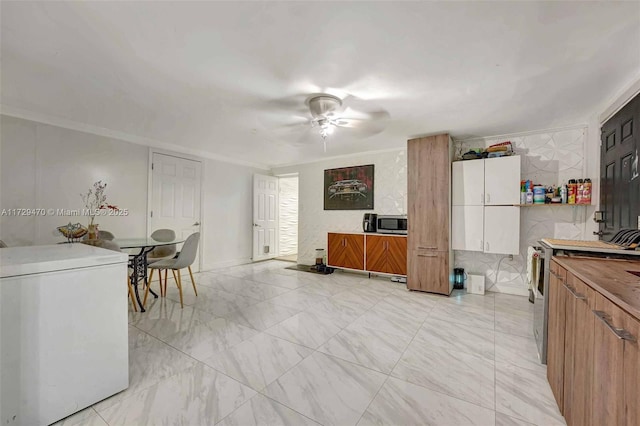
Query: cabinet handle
x=558 y=276
x=486 y=246
x=427 y=248
x=345 y=242
x=620 y=333
x=481 y=244
x=488 y=198
x=481 y=198
x=428 y=255
x=576 y=295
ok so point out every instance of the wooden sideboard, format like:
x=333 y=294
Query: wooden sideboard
x=593 y=360
x=386 y=254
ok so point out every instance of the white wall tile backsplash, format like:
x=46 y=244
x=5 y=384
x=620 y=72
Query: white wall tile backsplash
x=288 y=241
x=547 y=158
x=390 y=197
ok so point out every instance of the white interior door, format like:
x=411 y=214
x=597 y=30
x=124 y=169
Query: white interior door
x=175 y=203
x=265 y=217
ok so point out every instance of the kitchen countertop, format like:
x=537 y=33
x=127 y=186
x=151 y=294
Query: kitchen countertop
x=610 y=278
x=547 y=243
x=15 y=261
x=384 y=234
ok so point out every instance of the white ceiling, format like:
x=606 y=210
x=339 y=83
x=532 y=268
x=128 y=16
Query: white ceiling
x=224 y=77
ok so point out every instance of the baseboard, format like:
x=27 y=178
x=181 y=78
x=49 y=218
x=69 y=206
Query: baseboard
x=226 y=264
x=508 y=289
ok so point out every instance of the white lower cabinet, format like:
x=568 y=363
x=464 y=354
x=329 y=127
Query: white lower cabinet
x=488 y=229
x=502 y=229
x=467 y=232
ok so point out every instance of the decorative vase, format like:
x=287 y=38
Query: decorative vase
x=93 y=231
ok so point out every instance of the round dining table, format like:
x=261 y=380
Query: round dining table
x=138 y=250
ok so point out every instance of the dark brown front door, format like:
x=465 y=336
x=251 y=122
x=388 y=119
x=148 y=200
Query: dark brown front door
x=619 y=169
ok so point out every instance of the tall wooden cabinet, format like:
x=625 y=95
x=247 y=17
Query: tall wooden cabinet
x=429 y=214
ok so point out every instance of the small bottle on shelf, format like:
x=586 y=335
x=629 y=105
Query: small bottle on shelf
x=563 y=193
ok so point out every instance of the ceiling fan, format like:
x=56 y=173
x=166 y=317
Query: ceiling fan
x=329 y=112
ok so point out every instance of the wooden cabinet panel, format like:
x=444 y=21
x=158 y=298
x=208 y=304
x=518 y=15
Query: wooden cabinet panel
x=353 y=251
x=386 y=254
x=608 y=365
x=502 y=181
x=579 y=386
x=467 y=183
x=428 y=271
x=376 y=253
x=397 y=255
x=556 y=326
x=631 y=372
x=569 y=355
x=428 y=161
x=335 y=249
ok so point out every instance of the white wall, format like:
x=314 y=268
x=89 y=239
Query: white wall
x=548 y=157
x=44 y=166
x=288 y=216
x=390 y=197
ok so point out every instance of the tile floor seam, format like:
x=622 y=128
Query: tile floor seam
x=394 y=366
x=98 y=414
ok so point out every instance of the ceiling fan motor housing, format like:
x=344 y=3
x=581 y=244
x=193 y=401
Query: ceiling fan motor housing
x=322 y=106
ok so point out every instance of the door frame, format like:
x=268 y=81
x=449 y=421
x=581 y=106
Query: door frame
x=150 y=193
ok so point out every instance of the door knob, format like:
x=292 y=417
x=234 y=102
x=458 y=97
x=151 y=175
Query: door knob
x=196 y=224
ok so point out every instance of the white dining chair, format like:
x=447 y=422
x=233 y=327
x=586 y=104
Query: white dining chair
x=184 y=260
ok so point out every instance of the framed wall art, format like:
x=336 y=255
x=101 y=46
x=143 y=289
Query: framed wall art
x=349 y=188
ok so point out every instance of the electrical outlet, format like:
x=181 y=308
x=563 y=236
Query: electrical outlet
x=511 y=256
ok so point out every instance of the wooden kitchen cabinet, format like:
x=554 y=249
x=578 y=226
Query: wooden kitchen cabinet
x=429 y=271
x=593 y=359
x=579 y=347
x=609 y=367
x=386 y=254
x=556 y=328
x=345 y=251
x=429 y=210
x=631 y=371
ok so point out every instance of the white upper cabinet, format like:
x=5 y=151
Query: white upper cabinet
x=483 y=216
x=467 y=183
x=502 y=181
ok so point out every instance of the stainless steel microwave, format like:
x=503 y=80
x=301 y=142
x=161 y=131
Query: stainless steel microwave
x=389 y=224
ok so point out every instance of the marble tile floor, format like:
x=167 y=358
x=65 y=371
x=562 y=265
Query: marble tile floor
x=263 y=345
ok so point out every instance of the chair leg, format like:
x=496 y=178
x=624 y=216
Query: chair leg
x=133 y=300
x=166 y=274
x=179 y=282
x=160 y=282
x=150 y=277
x=193 y=283
x=146 y=293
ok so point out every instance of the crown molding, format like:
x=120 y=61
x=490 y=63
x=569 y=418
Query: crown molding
x=116 y=134
x=520 y=134
x=337 y=157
